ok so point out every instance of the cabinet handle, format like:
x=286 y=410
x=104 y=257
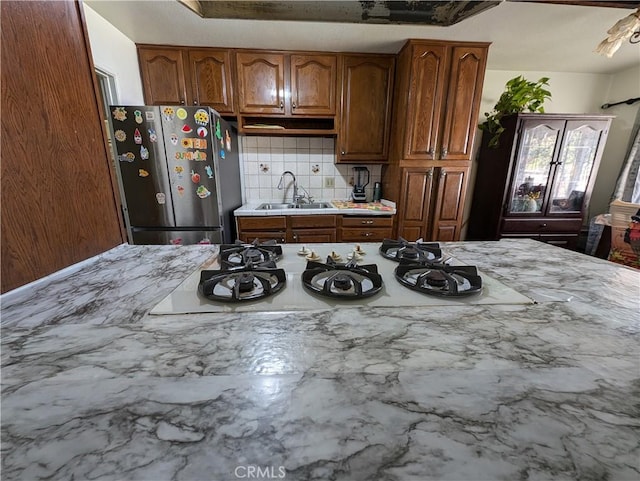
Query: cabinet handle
x=445 y=152
x=432 y=153
x=293 y=104
x=543 y=225
x=430 y=173
x=342 y=152
x=367 y=222
x=295 y=236
x=195 y=102
x=367 y=234
x=281 y=104
x=443 y=174
x=181 y=101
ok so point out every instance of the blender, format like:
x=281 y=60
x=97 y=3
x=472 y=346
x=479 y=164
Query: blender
x=358 y=194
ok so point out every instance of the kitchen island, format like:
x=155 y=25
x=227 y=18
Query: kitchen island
x=96 y=388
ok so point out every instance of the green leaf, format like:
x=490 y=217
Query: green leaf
x=519 y=95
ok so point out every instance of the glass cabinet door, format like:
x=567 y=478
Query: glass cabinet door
x=575 y=165
x=533 y=165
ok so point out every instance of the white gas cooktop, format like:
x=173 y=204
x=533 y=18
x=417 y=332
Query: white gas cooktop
x=186 y=300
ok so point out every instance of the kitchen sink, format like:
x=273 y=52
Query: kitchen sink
x=269 y=206
x=315 y=205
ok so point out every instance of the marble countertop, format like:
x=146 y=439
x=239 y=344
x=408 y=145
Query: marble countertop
x=250 y=209
x=95 y=388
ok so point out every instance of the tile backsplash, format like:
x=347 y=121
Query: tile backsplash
x=311 y=159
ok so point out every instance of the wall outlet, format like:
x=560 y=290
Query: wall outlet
x=329 y=182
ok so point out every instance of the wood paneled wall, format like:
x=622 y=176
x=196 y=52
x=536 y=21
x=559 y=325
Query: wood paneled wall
x=59 y=205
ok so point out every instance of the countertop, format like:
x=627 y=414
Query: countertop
x=95 y=388
x=384 y=207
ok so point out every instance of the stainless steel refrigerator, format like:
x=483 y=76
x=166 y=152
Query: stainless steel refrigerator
x=179 y=173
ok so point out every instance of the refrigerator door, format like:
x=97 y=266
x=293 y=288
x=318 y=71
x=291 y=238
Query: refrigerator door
x=190 y=159
x=176 y=237
x=227 y=168
x=136 y=138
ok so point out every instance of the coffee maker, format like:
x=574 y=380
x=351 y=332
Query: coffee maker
x=359 y=183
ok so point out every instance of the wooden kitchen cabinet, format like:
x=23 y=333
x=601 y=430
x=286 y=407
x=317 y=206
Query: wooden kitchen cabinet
x=365 y=112
x=308 y=229
x=432 y=202
x=210 y=71
x=284 y=84
x=366 y=228
x=312 y=228
x=537 y=184
x=263 y=228
x=436 y=103
x=163 y=75
x=187 y=76
x=261 y=88
x=437 y=98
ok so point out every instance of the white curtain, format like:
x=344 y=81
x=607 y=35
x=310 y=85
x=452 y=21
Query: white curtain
x=628 y=184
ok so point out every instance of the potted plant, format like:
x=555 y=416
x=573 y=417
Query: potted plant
x=519 y=95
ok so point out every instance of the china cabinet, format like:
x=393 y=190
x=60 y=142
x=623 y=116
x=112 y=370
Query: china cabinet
x=538 y=183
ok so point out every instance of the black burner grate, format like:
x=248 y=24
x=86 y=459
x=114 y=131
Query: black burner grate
x=240 y=254
x=242 y=284
x=342 y=281
x=399 y=250
x=439 y=279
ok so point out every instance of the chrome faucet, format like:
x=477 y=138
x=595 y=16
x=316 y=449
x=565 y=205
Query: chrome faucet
x=297 y=198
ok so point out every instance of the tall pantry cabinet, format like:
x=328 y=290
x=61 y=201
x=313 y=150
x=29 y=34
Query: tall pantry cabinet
x=437 y=98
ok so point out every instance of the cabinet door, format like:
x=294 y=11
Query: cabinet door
x=415 y=204
x=447 y=219
x=250 y=236
x=163 y=76
x=574 y=174
x=536 y=153
x=463 y=102
x=367 y=86
x=261 y=86
x=210 y=72
x=426 y=97
x=310 y=236
x=313 y=84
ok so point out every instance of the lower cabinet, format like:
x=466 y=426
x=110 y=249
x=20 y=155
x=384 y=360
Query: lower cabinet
x=312 y=228
x=262 y=228
x=559 y=232
x=366 y=229
x=318 y=228
x=431 y=203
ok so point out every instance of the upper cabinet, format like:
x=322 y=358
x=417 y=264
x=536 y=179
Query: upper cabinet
x=438 y=92
x=261 y=88
x=365 y=112
x=313 y=84
x=163 y=76
x=187 y=76
x=279 y=84
x=210 y=71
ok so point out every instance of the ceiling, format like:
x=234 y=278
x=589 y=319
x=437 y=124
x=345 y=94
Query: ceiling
x=525 y=36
